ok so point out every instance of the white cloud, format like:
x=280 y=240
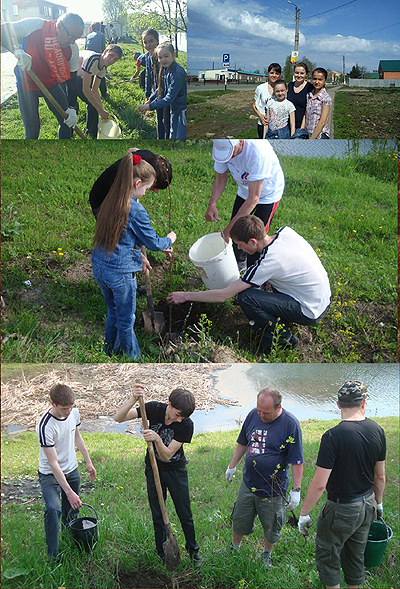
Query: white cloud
x=339 y=43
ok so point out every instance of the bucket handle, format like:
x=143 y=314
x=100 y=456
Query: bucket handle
x=114 y=117
x=380 y=519
x=87 y=505
x=222 y=233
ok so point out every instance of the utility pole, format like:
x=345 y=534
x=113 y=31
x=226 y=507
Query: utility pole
x=344 y=70
x=296 y=34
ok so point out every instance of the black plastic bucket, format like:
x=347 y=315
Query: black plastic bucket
x=378 y=538
x=84 y=529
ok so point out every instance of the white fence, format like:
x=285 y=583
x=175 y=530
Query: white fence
x=374 y=83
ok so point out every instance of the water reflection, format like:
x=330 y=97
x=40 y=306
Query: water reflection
x=308 y=390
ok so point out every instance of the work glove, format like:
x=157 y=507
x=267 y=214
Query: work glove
x=294 y=499
x=379 y=510
x=72 y=118
x=24 y=59
x=304 y=523
x=229 y=473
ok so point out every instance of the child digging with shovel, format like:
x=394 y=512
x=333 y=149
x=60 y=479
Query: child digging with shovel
x=169 y=428
x=122 y=227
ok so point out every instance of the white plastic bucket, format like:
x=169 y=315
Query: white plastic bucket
x=108 y=129
x=215 y=260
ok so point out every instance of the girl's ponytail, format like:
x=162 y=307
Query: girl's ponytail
x=114 y=210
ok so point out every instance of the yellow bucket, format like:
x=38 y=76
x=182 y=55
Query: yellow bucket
x=108 y=129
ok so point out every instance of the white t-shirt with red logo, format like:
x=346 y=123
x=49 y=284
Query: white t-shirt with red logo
x=256 y=161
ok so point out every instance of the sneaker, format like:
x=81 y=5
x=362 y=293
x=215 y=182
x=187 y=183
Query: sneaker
x=242 y=266
x=265 y=558
x=231 y=549
x=196 y=560
x=291 y=342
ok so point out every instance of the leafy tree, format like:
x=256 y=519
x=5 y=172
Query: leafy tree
x=288 y=69
x=112 y=9
x=357 y=71
x=139 y=22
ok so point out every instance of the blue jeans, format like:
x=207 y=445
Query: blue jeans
x=119 y=292
x=163 y=122
x=283 y=133
x=28 y=103
x=264 y=308
x=176 y=481
x=178 y=125
x=51 y=491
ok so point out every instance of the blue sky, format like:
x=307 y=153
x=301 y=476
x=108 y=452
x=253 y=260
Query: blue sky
x=258 y=32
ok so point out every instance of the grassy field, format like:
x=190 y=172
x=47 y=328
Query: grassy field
x=359 y=113
x=345 y=208
x=124 y=99
x=125 y=555
x=362 y=113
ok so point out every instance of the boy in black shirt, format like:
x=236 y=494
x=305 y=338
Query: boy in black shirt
x=170 y=428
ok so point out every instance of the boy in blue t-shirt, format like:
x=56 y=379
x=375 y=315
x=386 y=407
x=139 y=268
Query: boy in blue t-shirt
x=270 y=440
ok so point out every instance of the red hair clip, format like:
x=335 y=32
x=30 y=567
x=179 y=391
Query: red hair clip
x=136 y=158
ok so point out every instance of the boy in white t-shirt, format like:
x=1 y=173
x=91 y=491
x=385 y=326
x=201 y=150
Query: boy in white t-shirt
x=301 y=291
x=280 y=113
x=58 y=434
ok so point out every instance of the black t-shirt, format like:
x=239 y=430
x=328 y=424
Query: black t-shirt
x=299 y=99
x=351 y=450
x=181 y=432
x=102 y=186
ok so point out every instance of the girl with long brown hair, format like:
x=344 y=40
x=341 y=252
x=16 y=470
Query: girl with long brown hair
x=171 y=92
x=122 y=227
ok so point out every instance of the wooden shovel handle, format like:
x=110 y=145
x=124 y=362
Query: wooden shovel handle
x=154 y=466
x=53 y=101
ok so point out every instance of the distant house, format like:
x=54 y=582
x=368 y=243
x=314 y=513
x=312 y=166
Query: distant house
x=389 y=69
x=13 y=10
x=334 y=76
x=232 y=76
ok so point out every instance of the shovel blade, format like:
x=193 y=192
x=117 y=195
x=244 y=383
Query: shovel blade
x=158 y=322
x=171 y=553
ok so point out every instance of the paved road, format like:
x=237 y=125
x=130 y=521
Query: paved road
x=200 y=87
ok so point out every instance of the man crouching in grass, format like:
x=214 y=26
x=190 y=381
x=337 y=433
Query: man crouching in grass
x=300 y=285
x=170 y=427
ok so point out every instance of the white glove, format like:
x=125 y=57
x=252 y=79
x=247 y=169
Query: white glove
x=379 y=510
x=72 y=117
x=304 y=523
x=24 y=59
x=294 y=499
x=229 y=473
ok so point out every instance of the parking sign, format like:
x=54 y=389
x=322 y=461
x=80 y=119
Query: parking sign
x=225 y=59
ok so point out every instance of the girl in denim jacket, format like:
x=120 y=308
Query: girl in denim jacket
x=171 y=92
x=122 y=227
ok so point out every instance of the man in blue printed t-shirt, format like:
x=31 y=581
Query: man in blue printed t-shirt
x=270 y=440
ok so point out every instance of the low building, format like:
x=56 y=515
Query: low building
x=232 y=76
x=13 y=10
x=389 y=69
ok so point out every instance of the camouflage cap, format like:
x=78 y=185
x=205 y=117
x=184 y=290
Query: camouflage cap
x=352 y=390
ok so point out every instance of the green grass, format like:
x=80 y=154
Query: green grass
x=345 y=208
x=125 y=527
x=123 y=103
x=367 y=113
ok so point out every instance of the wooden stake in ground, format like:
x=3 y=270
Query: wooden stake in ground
x=170 y=546
x=53 y=101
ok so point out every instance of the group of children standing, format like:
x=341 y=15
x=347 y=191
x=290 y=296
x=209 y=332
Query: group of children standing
x=299 y=109
x=165 y=86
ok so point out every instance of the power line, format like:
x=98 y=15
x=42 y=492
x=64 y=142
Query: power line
x=376 y=30
x=330 y=10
